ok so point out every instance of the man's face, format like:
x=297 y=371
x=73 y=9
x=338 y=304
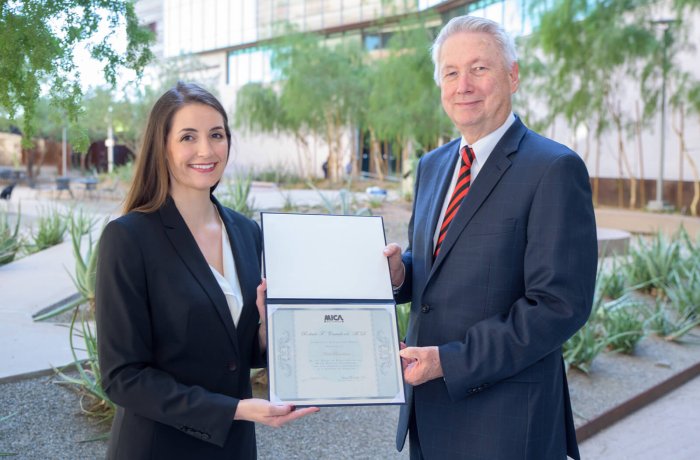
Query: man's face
x=475 y=85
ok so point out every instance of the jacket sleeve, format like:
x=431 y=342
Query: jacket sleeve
x=559 y=278
x=405 y=292
x=126 y=350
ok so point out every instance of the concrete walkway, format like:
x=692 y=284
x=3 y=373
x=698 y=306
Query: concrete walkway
x=665 y=429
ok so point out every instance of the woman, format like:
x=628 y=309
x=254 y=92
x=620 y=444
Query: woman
x=178 y=328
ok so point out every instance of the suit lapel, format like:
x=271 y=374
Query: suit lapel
x=243 y=255
x=489 y=175
x=186 y=247
x=445 y=170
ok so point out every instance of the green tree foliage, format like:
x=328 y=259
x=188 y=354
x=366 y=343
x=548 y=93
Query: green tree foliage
x=404 y=101
x=579 y=61
x=321 y=89
x=258 y=109
x=325 y=88
x=572 y=59
x=37 y=39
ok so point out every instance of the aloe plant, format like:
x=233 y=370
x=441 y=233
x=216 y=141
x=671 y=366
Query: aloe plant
x=345 y=204
x=85 y=265
x=237 y=196
x=84 y=273
x=683 y=303
x=51 y=228
x=403 y=312
x=652 y=264
x=613 y=281
x=10 y=240
x=93 y=401
x=589 y=341
x=623 y=322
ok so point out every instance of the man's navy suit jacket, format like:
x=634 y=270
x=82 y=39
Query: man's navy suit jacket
x=513 y=281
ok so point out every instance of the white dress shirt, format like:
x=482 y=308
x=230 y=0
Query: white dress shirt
x=482 y=150
x=229 y=280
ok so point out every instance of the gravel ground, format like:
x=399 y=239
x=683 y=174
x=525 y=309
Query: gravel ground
x=46 y=423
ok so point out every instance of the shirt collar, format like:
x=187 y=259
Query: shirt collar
x=484 y=146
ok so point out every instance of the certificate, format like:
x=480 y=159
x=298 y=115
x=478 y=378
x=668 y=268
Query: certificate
x=325 y=350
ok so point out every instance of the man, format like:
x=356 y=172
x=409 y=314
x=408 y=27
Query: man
x=500 y=275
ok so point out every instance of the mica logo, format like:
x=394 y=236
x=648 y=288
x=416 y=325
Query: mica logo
x=333 y=319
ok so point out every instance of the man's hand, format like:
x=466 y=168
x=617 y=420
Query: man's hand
x=420 y=364
x=404 y=361
x=263 y=411
x=398 y=272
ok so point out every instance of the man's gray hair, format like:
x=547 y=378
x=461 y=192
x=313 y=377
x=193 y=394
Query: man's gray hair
x=474 y=24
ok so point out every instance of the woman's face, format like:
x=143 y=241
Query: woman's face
x=197 y=149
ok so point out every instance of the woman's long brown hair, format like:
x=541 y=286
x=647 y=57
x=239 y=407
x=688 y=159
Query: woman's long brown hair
x=150 y=185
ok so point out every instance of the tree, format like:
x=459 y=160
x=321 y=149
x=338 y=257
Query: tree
x=321 y=89
x=259 y=109
x=580 y=53
x=37 y=39
x=404 y=101
x=575 y=61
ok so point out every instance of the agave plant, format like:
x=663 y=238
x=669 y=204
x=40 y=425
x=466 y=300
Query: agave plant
x=237 y=196
x=10 y=241
x=651 y=265
x=93 y=400
x=623 y=321
x=84 y=273
x=403 y=312
x=85 y=265
x=683 y=303
x=51 y=228
x=345 y=204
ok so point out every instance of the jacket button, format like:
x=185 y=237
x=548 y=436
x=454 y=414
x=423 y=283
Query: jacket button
x=232 y=366
x=425 y=308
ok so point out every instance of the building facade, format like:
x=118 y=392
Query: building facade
x=228 y=38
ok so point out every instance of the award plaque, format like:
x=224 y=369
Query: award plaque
x=332 y=335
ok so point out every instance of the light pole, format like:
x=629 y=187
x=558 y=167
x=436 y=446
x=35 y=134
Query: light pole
x=109 y=142
x=658 y=204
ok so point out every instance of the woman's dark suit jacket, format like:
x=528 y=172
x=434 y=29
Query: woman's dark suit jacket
x=170 y=356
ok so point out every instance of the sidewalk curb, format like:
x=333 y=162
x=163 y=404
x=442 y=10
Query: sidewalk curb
x=617 y=413
x=26 y=376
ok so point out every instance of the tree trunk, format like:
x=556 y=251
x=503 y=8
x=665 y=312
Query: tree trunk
x=303 y=155
x=375 y=153
x=332 y=161
x=680 y=132
x=596 y=179
x=623 y=160
x=587 y=151
x=356 y=153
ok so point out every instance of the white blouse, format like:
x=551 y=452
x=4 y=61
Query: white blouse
x=229 y=280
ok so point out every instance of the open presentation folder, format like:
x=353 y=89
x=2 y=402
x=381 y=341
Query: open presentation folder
x=331 y=317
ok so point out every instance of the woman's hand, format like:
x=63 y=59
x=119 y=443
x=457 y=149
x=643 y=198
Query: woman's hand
x=260 y=303
x=263 y=411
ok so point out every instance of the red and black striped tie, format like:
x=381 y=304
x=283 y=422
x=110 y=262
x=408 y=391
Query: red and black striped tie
x=461 y=189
